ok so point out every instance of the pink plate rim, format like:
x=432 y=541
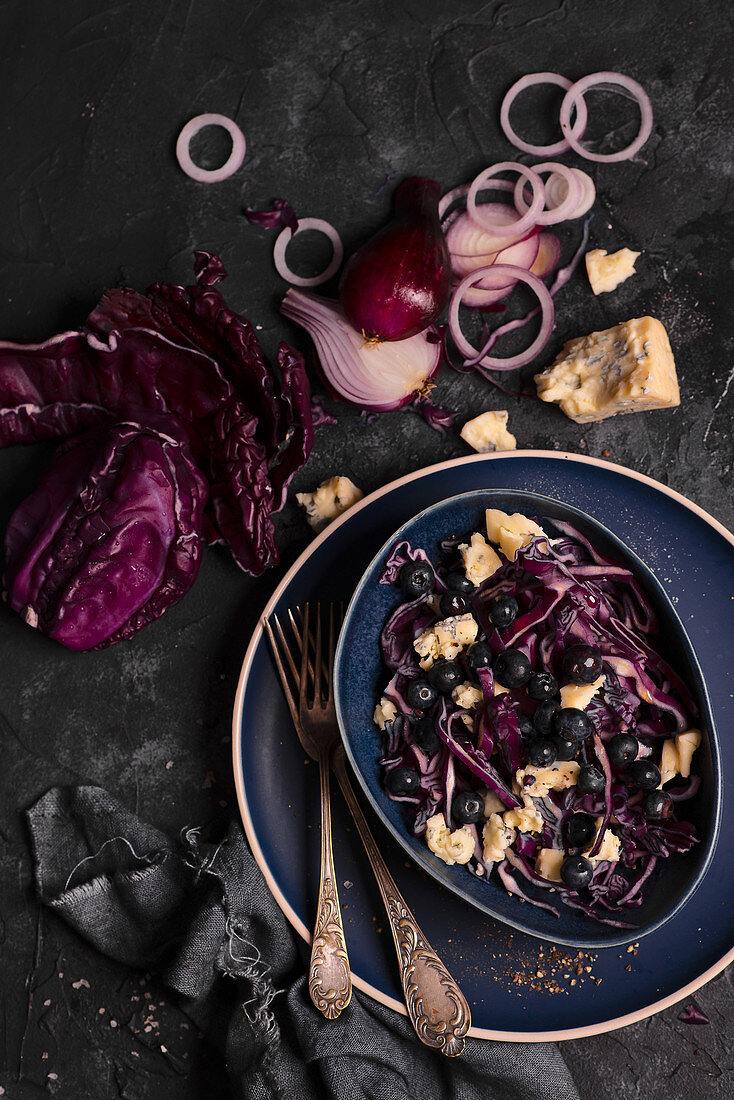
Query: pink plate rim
x=290 y=914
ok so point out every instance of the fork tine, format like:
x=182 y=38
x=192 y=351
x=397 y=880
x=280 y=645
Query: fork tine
x=287 y=650
x=280 y=667
x=303 y=701
x=317 y=677
x=332 y=650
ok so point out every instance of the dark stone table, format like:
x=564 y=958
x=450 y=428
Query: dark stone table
x=338 y=102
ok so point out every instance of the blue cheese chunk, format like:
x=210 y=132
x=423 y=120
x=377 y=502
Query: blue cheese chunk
x=446 y=639
x=480 y=560
x=607 y=270
x=456 y=847
x=488 y=432
x=579 y=696
x=628 y=368
x=332 y=497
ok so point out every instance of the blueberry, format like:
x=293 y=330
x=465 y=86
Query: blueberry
x=403 y=781
x=468 y=807
x=503 y=611
x=457 y=582
x=657 y=806
x=565 y=750
x=576 y=872
x=543 y=717
x=645 y=774
x=512 y=668
x=417 y=578
x=580 y=830
x=582 y=664
x=479 y=656
x=525 y=725
x=622 y=749
x=542 y=686
x=421 y=695
x=444 y=676
x=590 y=779
x=453 y=603
x=572 y=724
x=540 y=752
x=425 y=736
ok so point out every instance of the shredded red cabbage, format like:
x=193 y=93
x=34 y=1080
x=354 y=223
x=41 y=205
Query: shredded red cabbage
x=567 y=595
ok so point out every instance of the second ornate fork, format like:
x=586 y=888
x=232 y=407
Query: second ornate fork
x=436 y=1006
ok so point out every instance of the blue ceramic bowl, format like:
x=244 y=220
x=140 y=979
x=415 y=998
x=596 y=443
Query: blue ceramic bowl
x=360 y=677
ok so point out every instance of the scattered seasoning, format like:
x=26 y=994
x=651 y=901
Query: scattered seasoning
x=169 y=764
x=81 y=983
x=551 y=971
x=606 y=453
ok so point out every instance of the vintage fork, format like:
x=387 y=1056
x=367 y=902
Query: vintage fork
x=436 y=1006
x=329 y=979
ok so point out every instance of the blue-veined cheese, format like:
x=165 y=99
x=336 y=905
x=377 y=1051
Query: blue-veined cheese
x=385 y=711
x=580 y=695
x=526 y=818
x=554 y=777
x=607 y=270
x=467 y=695
x=677 y=754
x=628 y=368
x=456 y=847
x=480 y=560
x=488 y=432
x=446 y=639
x=548 y=863
x=496 y=839
x=332 y=497
x=512 y=532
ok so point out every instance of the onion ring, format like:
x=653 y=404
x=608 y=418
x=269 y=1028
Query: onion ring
x=560 y=211
x=556 y=190
x=546 y=327
x=283 y=241
x=528 y=219
x=529 y=81
x=574 y=97
x=233 y=161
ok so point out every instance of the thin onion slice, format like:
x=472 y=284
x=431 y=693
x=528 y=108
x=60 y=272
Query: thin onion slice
x=233 y=161
x=284 y=239
x=546 y=325
x=514 y=228
x=554 y=212
x=574 y=97
x=529 y=81
x=556 y=190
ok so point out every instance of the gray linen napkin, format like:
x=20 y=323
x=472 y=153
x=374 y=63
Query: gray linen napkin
x=203 y=915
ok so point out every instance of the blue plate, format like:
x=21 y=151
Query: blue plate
x=693 y=557
x=360 y=677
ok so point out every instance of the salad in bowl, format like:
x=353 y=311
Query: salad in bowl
x=534 y=734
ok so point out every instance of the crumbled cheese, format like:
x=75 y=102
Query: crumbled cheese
x=499 y=689
x=488 y=432
x=467 y=695
x=480 y=560
x=580 y=695
x=456 y=847
x=548 y=863
x=468 y=721
x=385 y=711
x=526 y=819
x=496 y=837
x=556 y=777
x=492 y=804
x=511 y=532
x=609 y=849
x=445 y=639
x=327 y=502
x=677 y=755
x=607 y=270
x=628 y=368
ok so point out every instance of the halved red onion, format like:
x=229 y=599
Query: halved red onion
x=574 y=97
x=553 y=212
x=556 y=190
x=283 y=240
x=233 y=161
x=512 y=227
x=378 y=376
x=548 y=255
x=476 y=358
x=529 y=81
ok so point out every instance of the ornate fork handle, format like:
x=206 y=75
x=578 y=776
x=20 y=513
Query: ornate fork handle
x=436 y=1006
x=329 y=979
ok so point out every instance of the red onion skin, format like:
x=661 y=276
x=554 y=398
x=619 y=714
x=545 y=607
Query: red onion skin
x=398 y=283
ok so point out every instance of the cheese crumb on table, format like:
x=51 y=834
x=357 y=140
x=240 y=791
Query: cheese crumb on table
x=607 y=270
x=332 y=497
x=628 y=368
x=488 y=432
x=456 y=847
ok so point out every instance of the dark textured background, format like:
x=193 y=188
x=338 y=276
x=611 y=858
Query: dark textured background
x=339 y=101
